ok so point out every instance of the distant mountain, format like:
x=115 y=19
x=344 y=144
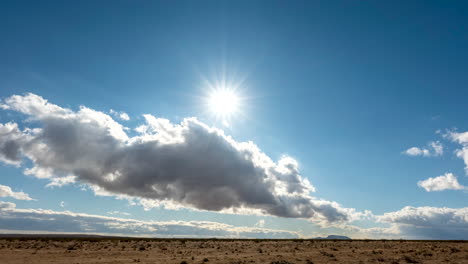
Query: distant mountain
x=333 y=237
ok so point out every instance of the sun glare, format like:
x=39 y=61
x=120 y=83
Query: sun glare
x=223 y=102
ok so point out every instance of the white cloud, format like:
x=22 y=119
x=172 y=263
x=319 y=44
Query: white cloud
x=415 y=151
x=448 y=181
x=121 y=115
x=40 y=220
x=188 y=164
x=436 y=146
x=6 y=191
x=462 y=139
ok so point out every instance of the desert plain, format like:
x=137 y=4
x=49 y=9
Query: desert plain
x=229 y=251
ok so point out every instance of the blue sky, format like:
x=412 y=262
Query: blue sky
x=344 y=89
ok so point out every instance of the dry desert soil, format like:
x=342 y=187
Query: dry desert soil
x=180 y=251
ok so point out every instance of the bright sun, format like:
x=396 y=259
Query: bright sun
x=223 y=102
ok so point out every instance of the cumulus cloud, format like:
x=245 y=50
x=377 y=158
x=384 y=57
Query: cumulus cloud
x=435 y=148
x=40 y=220
x=426 y=223
x=121 y=115
x=462 y=139
x=6 y=191
x=448 y=181
x=188 y=164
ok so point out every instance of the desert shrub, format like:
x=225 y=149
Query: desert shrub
x=205 y=260
x=281 y=262
x=71 y=247
x=409 y=259
x=324 y=253
x=183 y=262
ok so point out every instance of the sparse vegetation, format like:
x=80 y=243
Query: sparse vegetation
x=230 y=251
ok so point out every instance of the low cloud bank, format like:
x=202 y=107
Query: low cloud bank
x=39 y=220
x=407 y=223
x=426 y=223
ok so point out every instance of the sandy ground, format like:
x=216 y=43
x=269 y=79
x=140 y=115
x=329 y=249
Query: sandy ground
x=73 y=251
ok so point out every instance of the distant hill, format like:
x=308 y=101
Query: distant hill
x=333 y=237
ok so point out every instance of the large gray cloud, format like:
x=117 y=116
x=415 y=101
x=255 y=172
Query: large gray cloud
x=188 y=164
x=13 y=219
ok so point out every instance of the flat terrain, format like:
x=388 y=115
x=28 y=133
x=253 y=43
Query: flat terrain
x=121 y=250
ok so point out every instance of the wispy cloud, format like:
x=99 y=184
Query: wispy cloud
x=118 y=213
x=448 y=181
x=188 y=164
x=6 y=191
x=260 y=223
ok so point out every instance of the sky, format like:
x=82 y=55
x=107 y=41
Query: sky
x=251 y=119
